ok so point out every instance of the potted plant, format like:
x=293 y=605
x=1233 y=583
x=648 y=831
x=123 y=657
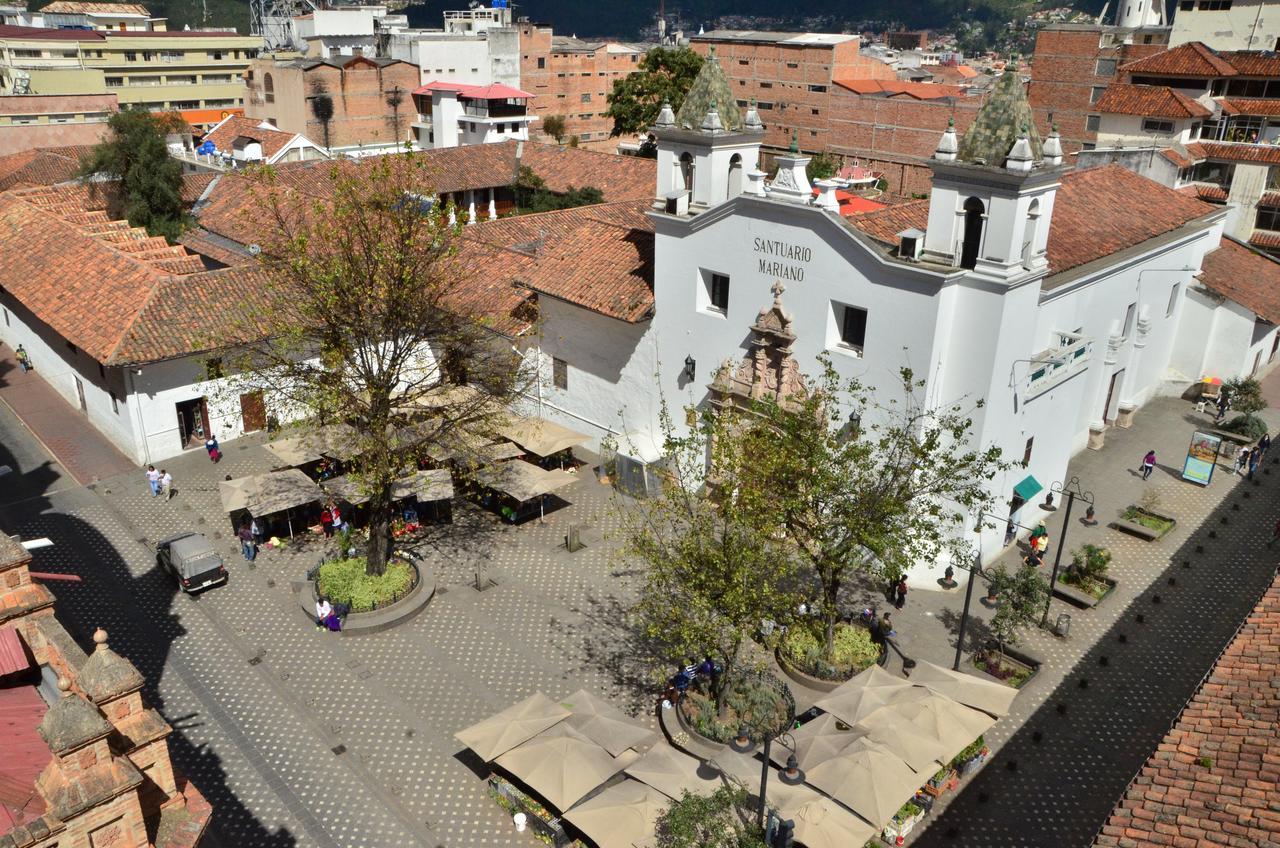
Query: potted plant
x=971 y=758
x=944 y=781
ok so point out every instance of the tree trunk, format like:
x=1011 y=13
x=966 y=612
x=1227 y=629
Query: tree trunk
x=720 y=689
x=830 y=616
x=379 y=549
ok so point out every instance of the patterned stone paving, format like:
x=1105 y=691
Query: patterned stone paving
x=262 y=700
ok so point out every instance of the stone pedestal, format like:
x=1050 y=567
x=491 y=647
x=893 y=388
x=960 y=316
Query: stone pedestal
x=1097 y=436
x=1124 y=416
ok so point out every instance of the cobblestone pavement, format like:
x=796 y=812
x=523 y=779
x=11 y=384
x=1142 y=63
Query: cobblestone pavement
x=300 y=737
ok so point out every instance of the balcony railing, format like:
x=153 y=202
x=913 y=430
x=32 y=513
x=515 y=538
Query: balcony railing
x=1050 y=367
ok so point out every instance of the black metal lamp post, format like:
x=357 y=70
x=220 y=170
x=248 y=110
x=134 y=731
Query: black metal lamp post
x=1073 y=491
x=974 y=571
x=791 y=774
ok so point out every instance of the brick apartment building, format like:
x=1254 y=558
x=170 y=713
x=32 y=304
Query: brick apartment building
x=283 y=92
x=573 y=78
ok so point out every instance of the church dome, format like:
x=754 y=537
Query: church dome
x=710 y=89
x=1000 y=123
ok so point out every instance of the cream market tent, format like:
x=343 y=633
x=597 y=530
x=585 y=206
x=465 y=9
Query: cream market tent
x=562 y=765
x=463 y=447
x=620 y=816
x=955 y=726
x=919 y=750
x=818 y=740
x=522 y=481
x=605 y=724
x=433 y=485
x=868 y=779
x=985 y=695
x=539 y=436
x=335 y=440
x=268 y=494
x=822 y=823
x=516 y=724
x=863 y=694
x=671 y=772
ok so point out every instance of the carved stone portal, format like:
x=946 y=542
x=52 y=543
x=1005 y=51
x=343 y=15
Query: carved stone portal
x=768 y=369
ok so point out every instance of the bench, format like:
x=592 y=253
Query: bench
x=1135 y=529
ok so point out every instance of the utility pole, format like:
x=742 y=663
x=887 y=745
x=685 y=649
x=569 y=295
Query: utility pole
x=1072 y=490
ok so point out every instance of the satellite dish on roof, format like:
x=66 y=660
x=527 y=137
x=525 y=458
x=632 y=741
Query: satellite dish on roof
x=254 y=249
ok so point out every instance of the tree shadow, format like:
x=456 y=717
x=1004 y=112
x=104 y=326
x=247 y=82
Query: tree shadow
x=140 y=615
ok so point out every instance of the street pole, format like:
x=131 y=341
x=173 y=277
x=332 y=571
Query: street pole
x=764 y=781
x=1072 y=491
x=968 y=597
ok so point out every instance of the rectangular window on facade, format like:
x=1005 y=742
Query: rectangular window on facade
x=1129 y=315
x=1091 y=122
x=766 y=85
x=743 y=62
x=1173 y=299
x=1095 y=94
x=820 y=89
x=115 y=403
x=1268 y=218
x=1026 y=454
x=542 y=62
x=1186 y=5
x=1215 y=5
x=1154 y=125
x=559 y=373
x=586 y=97
x=1105 y=68
x=793 y=64
x=718 y=292
x=851 y=323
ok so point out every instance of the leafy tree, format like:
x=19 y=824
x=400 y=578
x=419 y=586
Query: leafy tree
x=553 y=125
x=147 y=181
x=362 y=322
x=877 y=501
x=574 y=141
x=724 y=819
x=1023 y=596
x=713 y=574
x=822 y=166
x=664 y=74
x=1245 y=395
x=532 y=194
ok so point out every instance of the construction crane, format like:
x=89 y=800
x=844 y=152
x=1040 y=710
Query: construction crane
x=273 y=20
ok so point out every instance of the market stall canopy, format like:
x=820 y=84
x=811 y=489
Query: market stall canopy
x=266 y=494
x=562 y=765
x=462 y=398
x=863 y=694
x=522 y=480
x=620 y=816
x=672 y=773
x=895 y=732
x=344 y=488
x=465 y=447
x=291 y=452
x=540 y=436
x=336 y=440
x=516 y=724
x=433 y=485
x=605 y=725
x=818 y=740
x=822 y=823
x=744 y=770
x=955 y=726
x=868 y=779
x=985 y=695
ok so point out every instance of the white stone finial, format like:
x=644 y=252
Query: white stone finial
x=1053 y=149
x=666 y=116
x=712 y=123
x=827 y=195
x=948 y=145
x=755 y=183
x=100 y=639
x=1019 y=158
x=752 y=122
x=777 y=289
x=64 y=685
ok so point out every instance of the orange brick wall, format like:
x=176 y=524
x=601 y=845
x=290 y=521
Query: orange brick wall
x=1064 y=74
x=565 y=78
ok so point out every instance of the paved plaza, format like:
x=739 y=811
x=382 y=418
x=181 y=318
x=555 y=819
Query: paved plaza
x=300 y=737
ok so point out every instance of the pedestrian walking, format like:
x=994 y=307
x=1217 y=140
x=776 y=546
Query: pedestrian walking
x=247 y=546
x=211 y=445
x=1223 y=404
x=166 y=484
x=1264 y=445
x=255 y=528
x=1010 y=531
x=326 y=522
x=1253 y=462
x=1242 y=459
x=901 y=592
x=1148 y=464
x=153 y=480
x=24 y=358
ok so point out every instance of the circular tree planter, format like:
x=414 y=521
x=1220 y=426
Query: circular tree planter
x=782 y=721
x=374 y=621
x=823 y=684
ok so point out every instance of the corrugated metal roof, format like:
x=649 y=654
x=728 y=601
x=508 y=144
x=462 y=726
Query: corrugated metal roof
x=25 y=755
x=13 y=654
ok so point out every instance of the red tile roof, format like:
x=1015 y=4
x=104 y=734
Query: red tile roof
x=495 y=91
x=1177 y=157
x=1235 y=152
x=1242 y=106
x=1092 y=216
x=25 y=755
x=1266 y=241
x=22 y=33
x=1215 y=777
x=1149 y=101
x=1248 y=277
x=893 y=88
x=77 y=7
x=1192 y=59
x=233 y=127
x=618 y=177
x=13 y=653
x=1254 y=63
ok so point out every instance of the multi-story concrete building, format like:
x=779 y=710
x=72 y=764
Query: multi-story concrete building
x=1228 y=24
x=198 y=74
x=113 y=17
x=357 y=106
x=453 y=114
x=337 y=32
x=573 y=78
x=32 y=121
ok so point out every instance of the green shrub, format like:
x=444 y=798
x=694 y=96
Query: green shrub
x=1250 y=426
x=971 y=750
x=1090 y=561
x=749 y=702
x=344 y=581
x=854 y=651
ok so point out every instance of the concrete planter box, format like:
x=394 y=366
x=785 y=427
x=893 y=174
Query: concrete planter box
x=1080 y=598
x=1134 y=528
x=375 y=621
x=1010 y=657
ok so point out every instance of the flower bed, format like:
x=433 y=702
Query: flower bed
x=1098 y=588
x=1004 y=668
x=1160 y=524
x=758 y=701
x=344 y=581
x=802 y=648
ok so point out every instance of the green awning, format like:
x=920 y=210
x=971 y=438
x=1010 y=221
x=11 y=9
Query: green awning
x=1028 y=488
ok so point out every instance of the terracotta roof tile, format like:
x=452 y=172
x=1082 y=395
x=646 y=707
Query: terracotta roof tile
x=75 y=7
x=1236 y=152
x=1092 y=216
x=1246 y=276
x=1149 y=101
x=1177 y=157
x=224 y=135
x=1242 y=106
x=1192 y=59
x=41 y=166
x=1214 y=779
x=1266 y=241
x=617 y=177
x=1254 y=63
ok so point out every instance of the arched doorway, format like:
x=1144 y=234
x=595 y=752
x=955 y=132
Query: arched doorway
x=735 y=175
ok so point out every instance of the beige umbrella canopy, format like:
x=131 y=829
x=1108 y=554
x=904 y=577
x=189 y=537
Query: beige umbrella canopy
x=516 y=724
x=954 y=725
x=821 y=739
x=868 y=779
x=985 y=695
x=605 y=725
x=822 y=823
x=620 y=816
x=744 y=770
x=671 y=772
x=895 y=732
x=561 y=765
x=863 y=694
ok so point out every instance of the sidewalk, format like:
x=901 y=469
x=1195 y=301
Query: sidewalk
x=62 y=429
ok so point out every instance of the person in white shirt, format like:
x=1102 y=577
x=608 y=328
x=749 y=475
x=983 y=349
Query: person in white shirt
x=166 y=484
x=323 y=611
x=153 y=480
